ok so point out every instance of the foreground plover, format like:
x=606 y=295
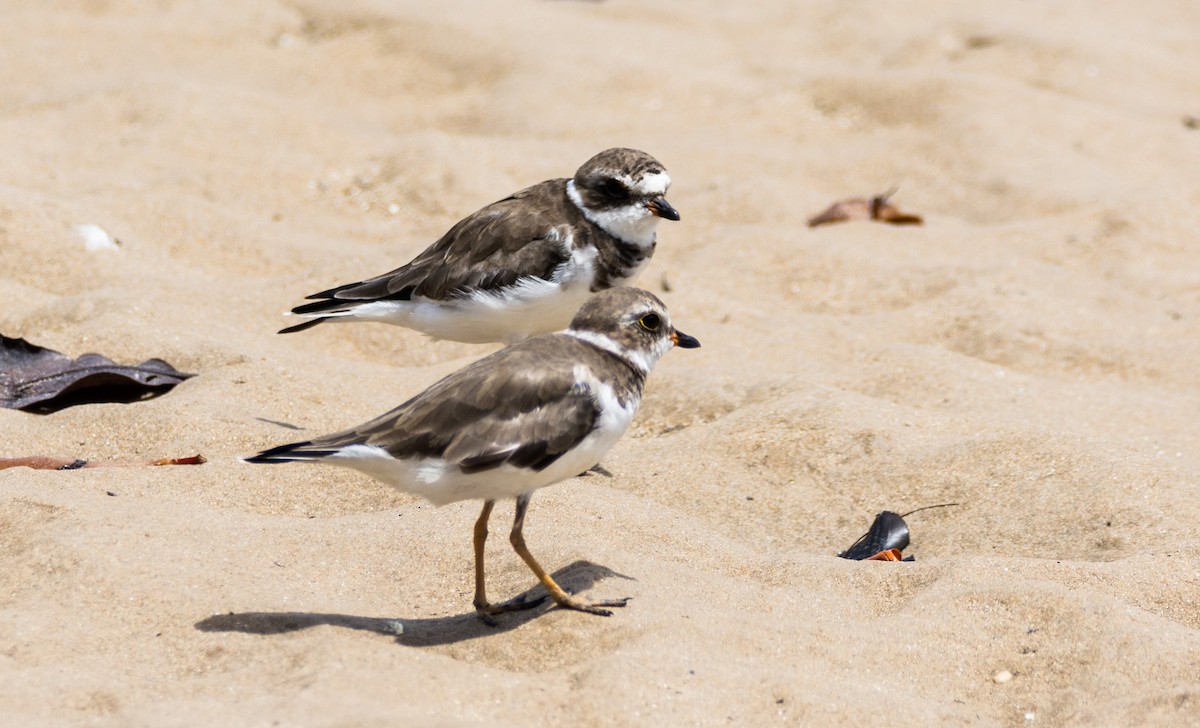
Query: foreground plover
x=530 y=415
x=521 y=266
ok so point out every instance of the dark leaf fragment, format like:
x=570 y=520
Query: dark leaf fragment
x=886 y=538
x=889 y=555
x=889 y=531
x=859 y=208
x=42 y=380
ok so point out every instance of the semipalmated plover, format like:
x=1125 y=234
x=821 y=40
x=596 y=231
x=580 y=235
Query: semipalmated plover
x=530 y=415
x=521 y=266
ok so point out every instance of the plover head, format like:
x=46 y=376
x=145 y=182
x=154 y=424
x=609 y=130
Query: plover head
x=631 y=324
x=624 y=192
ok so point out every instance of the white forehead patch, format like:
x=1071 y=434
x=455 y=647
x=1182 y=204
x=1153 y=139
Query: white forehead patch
x=651 y=184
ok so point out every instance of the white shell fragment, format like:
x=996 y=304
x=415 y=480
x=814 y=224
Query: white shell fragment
x=96 y=238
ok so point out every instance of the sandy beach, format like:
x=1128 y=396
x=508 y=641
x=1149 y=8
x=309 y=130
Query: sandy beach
x=1031 y=353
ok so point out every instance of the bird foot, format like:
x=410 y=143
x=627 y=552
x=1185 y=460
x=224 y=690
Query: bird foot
x=592 y=607
x=485 y=611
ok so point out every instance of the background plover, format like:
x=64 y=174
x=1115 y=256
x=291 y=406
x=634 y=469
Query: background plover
x=521 y=266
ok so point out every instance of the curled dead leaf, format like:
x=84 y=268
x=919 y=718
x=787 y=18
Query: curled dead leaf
x=42 y=380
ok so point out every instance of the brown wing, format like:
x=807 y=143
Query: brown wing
x=520 y=406
x=516 y=237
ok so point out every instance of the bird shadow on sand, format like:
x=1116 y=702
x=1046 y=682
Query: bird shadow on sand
x=418 y=632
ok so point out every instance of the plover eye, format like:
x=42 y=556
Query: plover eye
x=650 y=322
x=613 y=188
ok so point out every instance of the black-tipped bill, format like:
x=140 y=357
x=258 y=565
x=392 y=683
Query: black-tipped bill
x=660 y=207
x=683 y=341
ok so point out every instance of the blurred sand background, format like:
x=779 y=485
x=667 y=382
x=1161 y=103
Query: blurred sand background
x=1032 y=353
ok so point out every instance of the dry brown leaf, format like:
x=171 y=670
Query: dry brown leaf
x=45 y=462
x=860 y=208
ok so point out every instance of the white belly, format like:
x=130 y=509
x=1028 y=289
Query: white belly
x=441 y=482
x=532 y=306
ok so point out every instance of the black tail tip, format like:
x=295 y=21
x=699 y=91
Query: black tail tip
x=303 y=325
x=276 y=454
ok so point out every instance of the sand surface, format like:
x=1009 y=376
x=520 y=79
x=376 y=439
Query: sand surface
x=1032 y=353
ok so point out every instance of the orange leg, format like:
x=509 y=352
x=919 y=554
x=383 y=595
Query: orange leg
x=560 y=597
x=482 y=607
